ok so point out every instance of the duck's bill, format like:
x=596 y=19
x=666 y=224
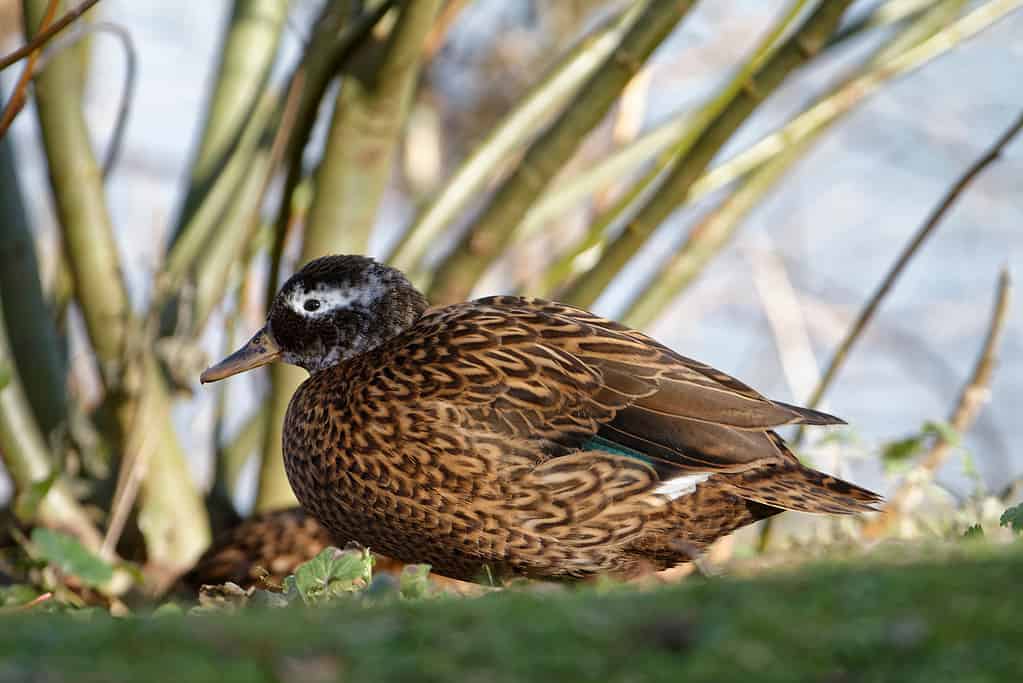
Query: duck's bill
x=260 y=350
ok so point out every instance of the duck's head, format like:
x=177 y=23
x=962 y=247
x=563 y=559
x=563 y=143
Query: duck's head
x=334 y=308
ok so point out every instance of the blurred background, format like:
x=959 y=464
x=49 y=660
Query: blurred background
x=261 y=133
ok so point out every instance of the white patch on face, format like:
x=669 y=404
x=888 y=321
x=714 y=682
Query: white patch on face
x=681 y=486
x=334 y=298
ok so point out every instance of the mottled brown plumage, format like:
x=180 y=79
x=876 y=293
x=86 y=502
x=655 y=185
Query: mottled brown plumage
x=265 y=548
x=513 y=436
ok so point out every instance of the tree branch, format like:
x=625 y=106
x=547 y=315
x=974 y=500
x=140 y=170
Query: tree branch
x=43 y=37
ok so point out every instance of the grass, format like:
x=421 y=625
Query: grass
x=950 y=614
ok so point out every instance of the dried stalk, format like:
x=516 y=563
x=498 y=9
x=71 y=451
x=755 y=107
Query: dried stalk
x=974 y=395
x=20 y=94
x=43 y=37
x=908 y=252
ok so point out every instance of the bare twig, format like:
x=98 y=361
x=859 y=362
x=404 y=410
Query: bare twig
x=977 y=391
x=38 y=600
x=908 y=252
x=45 y=35
x=439 y=33
x=20 y=94
x=240 y=222
x=972 y=398
x=130 y=475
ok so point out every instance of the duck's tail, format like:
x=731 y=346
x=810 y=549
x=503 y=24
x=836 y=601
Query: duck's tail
x=792 y=486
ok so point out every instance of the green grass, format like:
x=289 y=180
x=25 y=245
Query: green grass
x=953 y=617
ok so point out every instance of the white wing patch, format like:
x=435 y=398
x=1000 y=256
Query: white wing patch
x=681 y=486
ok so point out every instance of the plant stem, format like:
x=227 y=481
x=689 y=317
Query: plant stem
x=369 y=114
x=35 y=344
x=974 y=394
x=250 y=47
x=517 y=127
x=700 y=248
x=26 y=457
x=908 y=252
x=549 y=152
x=731 y=110
x=81 y=205
x=670 y=134
x=680 y=132
x=171 y=514
x=337 y=35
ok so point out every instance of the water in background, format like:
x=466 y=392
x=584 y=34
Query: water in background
x=833 y=227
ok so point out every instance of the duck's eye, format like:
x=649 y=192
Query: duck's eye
x=312 y=305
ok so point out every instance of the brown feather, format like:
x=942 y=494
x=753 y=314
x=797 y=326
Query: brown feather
x=458 y=444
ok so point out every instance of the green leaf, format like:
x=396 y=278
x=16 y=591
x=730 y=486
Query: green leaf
x=26 y=503
x=333 y=573
x=17 y=594
x=415 y=582
x=68 y=555
x=5 y=376
x=974 y=531
x=943 y=431
x=897 y=453
x=1013 y=518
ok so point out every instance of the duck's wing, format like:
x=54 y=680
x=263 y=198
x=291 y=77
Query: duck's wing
x=528 y=369
x=666 y=406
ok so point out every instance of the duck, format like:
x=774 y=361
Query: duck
x=261 y=550
x=511 y=437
